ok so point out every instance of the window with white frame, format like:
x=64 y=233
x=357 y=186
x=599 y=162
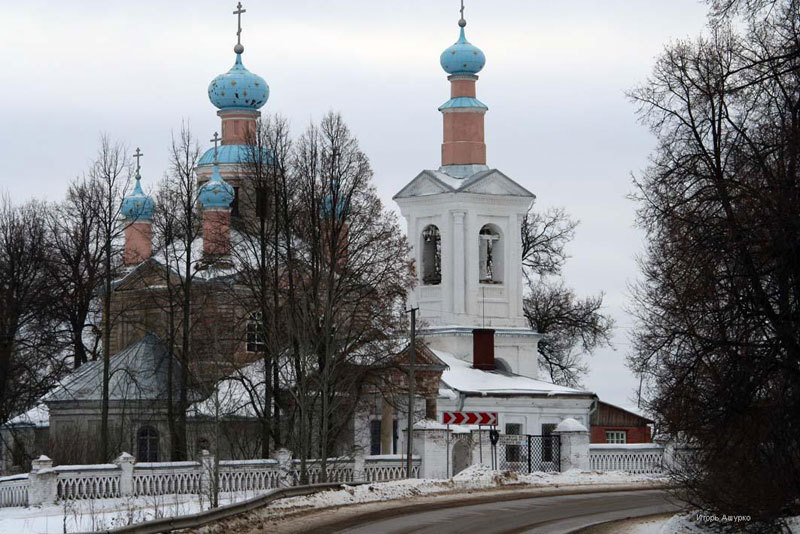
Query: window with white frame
x=616 y=436
x=255 y=333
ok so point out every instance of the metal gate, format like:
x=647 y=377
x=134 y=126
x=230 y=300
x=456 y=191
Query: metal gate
x=525 y=453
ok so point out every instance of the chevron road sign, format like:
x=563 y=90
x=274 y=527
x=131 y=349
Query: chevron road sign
x=469 y=418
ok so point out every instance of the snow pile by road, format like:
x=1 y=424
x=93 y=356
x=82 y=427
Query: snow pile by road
x=696 y=523
x=473 y=478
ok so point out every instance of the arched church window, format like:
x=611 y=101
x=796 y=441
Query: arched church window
x=255 y=333
x=147 y=444
x=490 y=255
x=431 y=256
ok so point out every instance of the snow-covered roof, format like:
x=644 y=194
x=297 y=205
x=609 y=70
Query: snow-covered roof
x=38 y=416
x=233 y=396
x=462 y=377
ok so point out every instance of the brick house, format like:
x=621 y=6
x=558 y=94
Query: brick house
x=612 y=424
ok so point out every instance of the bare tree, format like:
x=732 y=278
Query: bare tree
x=177 y=228
x=717 y=339
x=110 y=174
x=572 y=327
x=76 y=265
x=30 y=356
x=354 y=270
x=259 y=255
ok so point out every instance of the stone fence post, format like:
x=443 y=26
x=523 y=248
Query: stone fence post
x=125 y=462
x=206 y=472
x=285 y=469
x=430 y=443
x=42 y=482
x=574 y=445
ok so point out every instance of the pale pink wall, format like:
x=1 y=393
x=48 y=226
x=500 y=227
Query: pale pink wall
x=463 y=139
x=462 y=88
x=216 y=232
x=138 y=242
x=237 y=126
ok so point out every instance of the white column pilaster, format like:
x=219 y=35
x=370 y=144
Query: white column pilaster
x=459 y=257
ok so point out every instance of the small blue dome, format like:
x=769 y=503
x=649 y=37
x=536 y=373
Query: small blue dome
x=238 y=88
x=462 y=57
x=216 y=193
x=137 y=206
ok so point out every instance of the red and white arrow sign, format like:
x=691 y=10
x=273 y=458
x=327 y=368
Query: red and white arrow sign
x=469 y=418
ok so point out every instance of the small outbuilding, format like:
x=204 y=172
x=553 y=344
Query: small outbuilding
x=612 y=424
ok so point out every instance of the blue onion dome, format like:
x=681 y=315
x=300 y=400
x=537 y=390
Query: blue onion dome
x=462 y=57
x=137 y=206
x=216 y=193
x=238 y=88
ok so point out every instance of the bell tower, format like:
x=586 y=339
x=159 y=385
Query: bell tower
x=464 y=225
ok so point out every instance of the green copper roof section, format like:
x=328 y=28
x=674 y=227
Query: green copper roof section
x=463 y=102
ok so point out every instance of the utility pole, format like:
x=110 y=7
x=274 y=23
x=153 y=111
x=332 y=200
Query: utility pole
x=412 y=357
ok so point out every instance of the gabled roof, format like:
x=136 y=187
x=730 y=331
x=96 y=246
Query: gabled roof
x=461 y=376
x=137 y=373
x=425 y=359
x=487 y=182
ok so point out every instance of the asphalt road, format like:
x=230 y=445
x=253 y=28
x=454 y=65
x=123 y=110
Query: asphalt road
x=551 y=515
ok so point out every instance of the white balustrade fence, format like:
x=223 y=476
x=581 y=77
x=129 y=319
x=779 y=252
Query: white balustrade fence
x=388 y=467
x=14 y=490
x=99 y=481
x=124 y=478
x=164 y=478
x=637 y=458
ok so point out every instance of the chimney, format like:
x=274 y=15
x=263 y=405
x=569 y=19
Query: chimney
x=483 y=349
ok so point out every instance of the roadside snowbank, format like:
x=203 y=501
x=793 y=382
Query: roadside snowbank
x=692 y=523
x=473 y=478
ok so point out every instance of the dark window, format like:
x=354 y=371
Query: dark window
x=375 y=436
x=235 y=203
x=202 y=445
x=147 y=444
x=547 y=441
x=255 y=333
x=513 y=451
x=431 y=256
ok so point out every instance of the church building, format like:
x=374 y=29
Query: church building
x=476 y=351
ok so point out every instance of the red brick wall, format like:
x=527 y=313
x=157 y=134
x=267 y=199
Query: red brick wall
x=636 y=434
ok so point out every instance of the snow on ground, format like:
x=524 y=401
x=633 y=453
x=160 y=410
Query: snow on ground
x=684 y=523
x=694 y=523
x=473 y=478
x=102 y=514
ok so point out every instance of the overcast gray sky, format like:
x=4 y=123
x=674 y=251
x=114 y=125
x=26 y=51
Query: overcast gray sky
x=554 y=81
